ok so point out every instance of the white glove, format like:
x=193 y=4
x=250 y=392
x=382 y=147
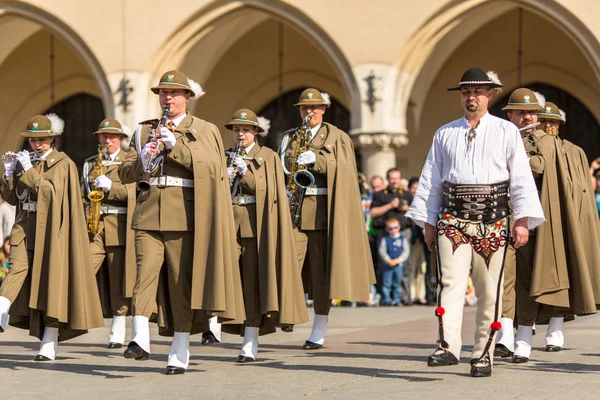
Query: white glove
x=147 y=152
x=230 y=171
x=167 y=137
x=240 y=165
x=103 y=182
x=23 y=158
x=308 y=157
x=9 y=165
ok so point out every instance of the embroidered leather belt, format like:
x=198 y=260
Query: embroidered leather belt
x=29 y=206
x=316 y=192
x=108 y=209
x=243 y=199
x=166 y=181
x=477 y=203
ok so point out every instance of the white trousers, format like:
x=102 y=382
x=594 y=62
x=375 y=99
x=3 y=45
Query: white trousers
x=462 y=245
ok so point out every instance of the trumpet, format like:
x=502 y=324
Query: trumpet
x=13 y=156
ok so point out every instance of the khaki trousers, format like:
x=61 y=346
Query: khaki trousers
x=458 y=242
x=312 y=246
x=152 y=249
x=115 y=260
x=510 y=277
x=527 y=309
x=248 y=252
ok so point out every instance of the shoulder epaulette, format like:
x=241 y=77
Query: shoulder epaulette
x=92 y=158
x=291 y=130
x=149 y=122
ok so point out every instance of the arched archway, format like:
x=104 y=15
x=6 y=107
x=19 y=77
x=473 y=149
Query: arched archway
x=557 y=48
x=211 y=34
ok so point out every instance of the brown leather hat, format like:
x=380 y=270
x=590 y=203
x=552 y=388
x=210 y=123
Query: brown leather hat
x=245 y=116
x=48 y=125
x=313 y=97
x=523 y=99
x=551 y=111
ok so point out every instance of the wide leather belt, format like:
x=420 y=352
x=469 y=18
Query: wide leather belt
x=243 y=199
x=478 y=203
x=168 y=181
x=108 y=209
x=30 y=206
x=316 y=192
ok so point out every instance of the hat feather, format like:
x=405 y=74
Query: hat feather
x=196 y=88
x=326 y=98
x=494 y=77
x=540 y=98
x=127 y=139
x=265 y=124
x=563 y=115
x=57 y=124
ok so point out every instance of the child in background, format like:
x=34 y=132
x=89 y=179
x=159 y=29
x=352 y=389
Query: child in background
x=4 y=265
x=393 y=252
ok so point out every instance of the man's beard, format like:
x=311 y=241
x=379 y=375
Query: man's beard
x=472 y=107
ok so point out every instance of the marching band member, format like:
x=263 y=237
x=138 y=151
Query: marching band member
x=50 y=289
x=271 y=277
x=113 y=239
x=462 y=202
x=183 y=216
x=332 y=244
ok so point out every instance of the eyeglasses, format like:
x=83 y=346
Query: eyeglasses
x=392 y=227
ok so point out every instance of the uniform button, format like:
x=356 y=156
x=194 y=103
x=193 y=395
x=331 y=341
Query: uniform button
x=175 y=156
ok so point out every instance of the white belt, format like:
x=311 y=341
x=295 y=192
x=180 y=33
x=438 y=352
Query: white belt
x=30 y=206
x=316 y=192
x=165 y=180
x=107 y=209
x=243 y=199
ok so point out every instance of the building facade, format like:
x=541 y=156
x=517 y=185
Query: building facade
x=386 y=63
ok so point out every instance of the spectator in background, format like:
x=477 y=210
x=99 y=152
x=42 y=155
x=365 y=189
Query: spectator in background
x=377 y=184
x=595 y=171
x=393 y=201
x=416 y=265
x=7 y=218
x=394 y=250
x=4 y=265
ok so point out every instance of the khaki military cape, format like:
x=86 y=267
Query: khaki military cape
x=216 y=281
x=582 y=228
x=349 y=265
x=280 y=282
x=62 y=279
x=550 y=277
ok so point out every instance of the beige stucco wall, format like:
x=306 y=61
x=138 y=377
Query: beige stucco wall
x=418 y=48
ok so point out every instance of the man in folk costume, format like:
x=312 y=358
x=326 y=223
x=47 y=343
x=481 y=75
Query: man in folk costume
x=582 y=230
x=462 y=202
x=542 y=276
x=112 y=238
x=332 y=245
x=50 y=289
x=271 y=277
x=183 y=218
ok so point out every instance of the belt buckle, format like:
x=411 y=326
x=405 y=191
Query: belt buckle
x=161 y=182
x=241 y=199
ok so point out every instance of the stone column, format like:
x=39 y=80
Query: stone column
x=382 y=128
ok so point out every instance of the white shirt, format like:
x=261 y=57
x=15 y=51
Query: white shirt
x=247 y=149
x=497 y=154
x=177 y=120
x=113 y=155
x=313 y=131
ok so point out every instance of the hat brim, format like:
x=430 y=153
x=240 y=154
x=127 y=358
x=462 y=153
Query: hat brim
x=551 y=116
x=490 y=85
x=38 y=134
x=156 y=89
x=311 y=103
x=522 y=107
x=110 y=132
x=230 y=124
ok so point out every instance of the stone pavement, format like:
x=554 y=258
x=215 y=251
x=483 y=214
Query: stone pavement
x=369 y=353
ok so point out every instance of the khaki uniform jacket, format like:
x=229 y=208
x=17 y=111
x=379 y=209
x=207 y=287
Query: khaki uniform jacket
x=349 y=264
x=205 y=209
x=62 y=283
x=280 y=282
x=116 y=226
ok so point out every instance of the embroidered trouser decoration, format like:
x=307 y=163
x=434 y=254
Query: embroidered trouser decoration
x=463 y=245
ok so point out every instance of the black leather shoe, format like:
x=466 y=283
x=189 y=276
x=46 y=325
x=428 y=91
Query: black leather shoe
x=481 y=369
x=208 y=338
x=441 y=358
x=245 y=359
x=113 y=345
x=311 y=346
x=40 y=357
x=552 y=348
x=135 y=351
x=287 y=328
x=174 y=370
x=502 y=351
x=519 y=359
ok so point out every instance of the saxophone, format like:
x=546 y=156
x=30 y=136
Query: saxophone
x=300 y=178
x=95 y=196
